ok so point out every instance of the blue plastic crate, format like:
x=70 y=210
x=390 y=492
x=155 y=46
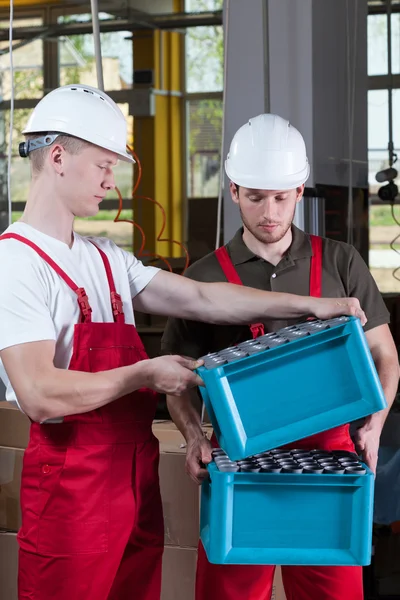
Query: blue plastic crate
x=307 y=379
x=287 y=519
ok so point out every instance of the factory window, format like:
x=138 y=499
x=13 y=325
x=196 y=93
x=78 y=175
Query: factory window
x=28 y=64
x=77 y=59
x=204 y=147
x=204 y=59
x=28 y=81
x=384 y=85
x=50 y=61
x=20 y=170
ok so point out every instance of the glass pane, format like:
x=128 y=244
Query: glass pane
x=395 y=22
x=28 y=65
x=203 y=5
x=77 y=59
x=377 y=45
x=378 y=133
x=20 y=169
x=383 y=260
x=204 y=147
x=378 y=119
x=381 y=3
x=204 y=59
x=103 y=225
x=377 y=161
x=204 y=51
x=84 y=17
x=396 y=118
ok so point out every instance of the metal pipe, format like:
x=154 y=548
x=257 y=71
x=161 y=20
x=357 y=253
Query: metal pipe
x=97 y=43
x=390 y=88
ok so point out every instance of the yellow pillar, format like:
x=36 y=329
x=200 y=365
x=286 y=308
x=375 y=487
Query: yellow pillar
x=143 y=133
x=158 y=139
x=177 y=120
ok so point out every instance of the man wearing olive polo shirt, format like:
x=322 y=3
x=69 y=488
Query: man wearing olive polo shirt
x=268 y=167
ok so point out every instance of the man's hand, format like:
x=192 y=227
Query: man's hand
x=198 y=454
x=172 y=374
x=366 y=440
x=327 y=308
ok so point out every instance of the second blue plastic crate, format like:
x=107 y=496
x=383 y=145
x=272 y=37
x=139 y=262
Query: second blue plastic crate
x=287 y=519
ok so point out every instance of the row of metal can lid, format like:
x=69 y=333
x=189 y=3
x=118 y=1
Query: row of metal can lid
x=267 y=341
x=293 y=461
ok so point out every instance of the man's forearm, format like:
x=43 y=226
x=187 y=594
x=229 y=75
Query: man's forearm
x=227 y=305
x=61 y=392
x=388 y=372
x=185 y=415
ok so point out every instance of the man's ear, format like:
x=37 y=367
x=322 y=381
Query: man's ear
x=300 y=192
x=56 y=157
x=234 y=192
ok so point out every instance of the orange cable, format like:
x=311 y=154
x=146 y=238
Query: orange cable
x=142 y=252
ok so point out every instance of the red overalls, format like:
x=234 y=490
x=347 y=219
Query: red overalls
x=92 y=524
x=240 y=582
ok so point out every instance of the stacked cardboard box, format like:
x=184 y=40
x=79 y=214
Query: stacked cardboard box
x=180 y=496
x=14 y=436
x=8 y=566
x=181 y=504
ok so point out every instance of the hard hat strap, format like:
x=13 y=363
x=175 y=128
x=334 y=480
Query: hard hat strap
x=25 y=148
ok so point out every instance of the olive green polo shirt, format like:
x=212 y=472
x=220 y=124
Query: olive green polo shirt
x=344 y=274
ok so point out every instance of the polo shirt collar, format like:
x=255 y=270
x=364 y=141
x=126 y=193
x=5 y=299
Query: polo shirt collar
x=299 y=248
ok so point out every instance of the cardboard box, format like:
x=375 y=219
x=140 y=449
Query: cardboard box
x=8 y=566
x=14 y=426
x=10 y=482
x=180 y=495
x=179 y=573
x=181 y=502
x=168 y=434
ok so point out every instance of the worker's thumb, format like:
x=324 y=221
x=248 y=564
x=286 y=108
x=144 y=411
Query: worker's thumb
x=206 y=455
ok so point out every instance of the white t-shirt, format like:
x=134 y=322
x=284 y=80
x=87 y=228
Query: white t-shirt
x=36 y=304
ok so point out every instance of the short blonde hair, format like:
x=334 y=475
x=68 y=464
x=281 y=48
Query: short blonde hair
x=71 y=144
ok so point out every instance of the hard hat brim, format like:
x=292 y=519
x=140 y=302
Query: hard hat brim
x=266 y=183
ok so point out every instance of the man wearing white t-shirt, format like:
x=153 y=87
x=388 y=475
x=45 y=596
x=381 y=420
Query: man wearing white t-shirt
x=71 y=358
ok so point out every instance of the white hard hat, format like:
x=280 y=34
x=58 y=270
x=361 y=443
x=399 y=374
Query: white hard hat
x=83 y=112
x=267 y=153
